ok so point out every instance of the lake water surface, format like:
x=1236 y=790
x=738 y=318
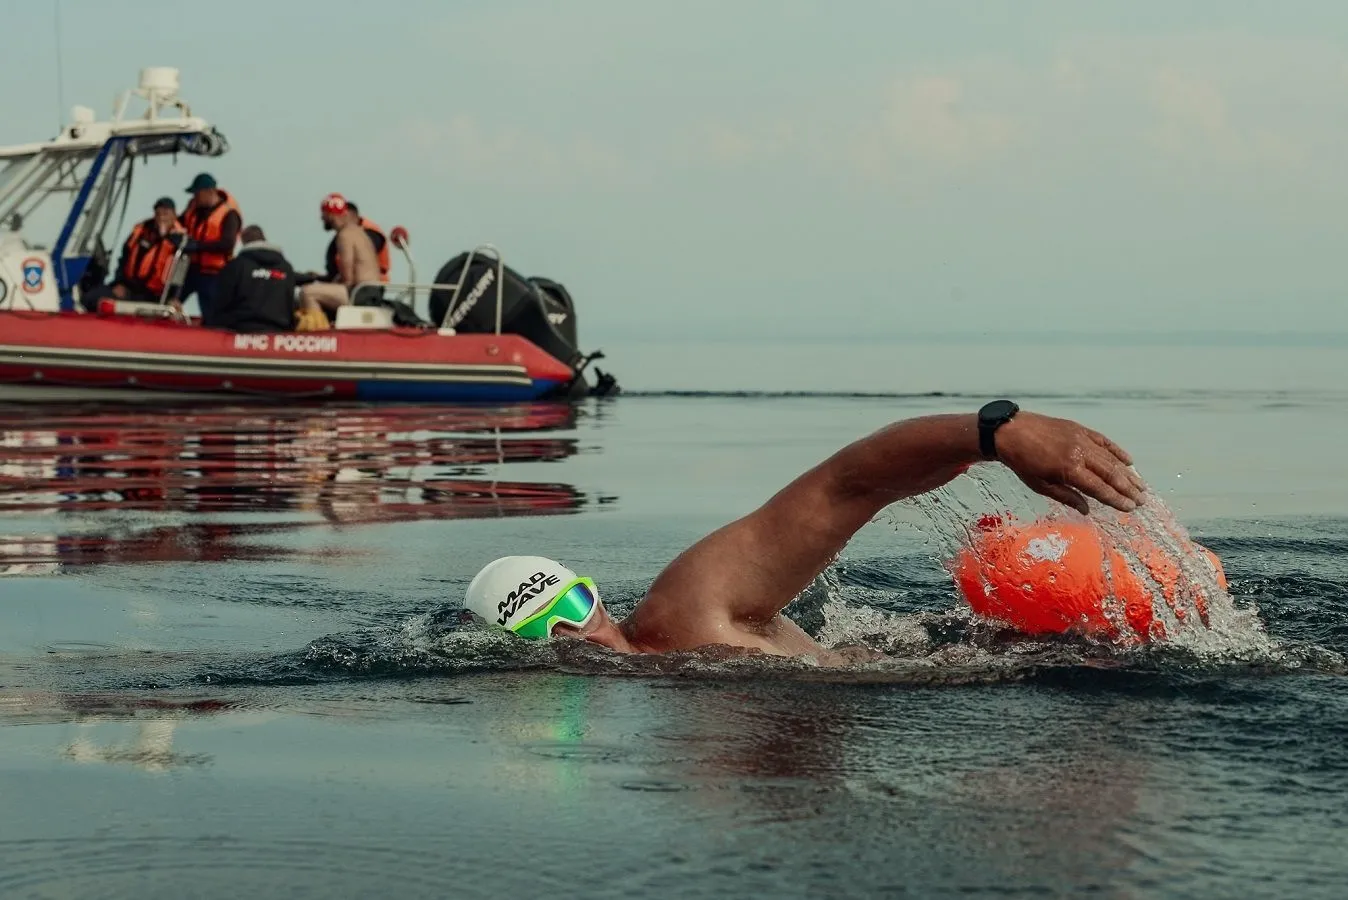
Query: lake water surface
x=232 y=658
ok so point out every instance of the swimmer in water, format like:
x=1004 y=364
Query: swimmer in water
x=730 y=588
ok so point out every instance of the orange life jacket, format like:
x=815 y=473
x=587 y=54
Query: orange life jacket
x=149 y=257
x=377 y=237
x=208 y=226
x=374 y=229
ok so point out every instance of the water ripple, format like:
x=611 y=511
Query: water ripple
x=118 y=867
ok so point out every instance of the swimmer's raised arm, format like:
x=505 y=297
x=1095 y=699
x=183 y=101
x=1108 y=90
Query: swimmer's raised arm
x=745 y=573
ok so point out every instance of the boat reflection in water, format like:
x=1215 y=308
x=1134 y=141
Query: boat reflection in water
x=157 y=484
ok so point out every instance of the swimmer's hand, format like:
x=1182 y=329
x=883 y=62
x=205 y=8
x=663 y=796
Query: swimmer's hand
x=1064 y=460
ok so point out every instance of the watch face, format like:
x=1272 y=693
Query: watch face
x=998 y=410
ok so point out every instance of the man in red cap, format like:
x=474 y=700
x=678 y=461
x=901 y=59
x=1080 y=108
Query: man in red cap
x=357 y=259
x=377 y=237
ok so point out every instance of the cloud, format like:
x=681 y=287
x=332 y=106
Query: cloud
x=1193 y=124
x=1207 y=106
x=734 y=145
x=926 y=120
x=915 y=126
x=1188 y=107
x=1219 y=103
x=465 y=149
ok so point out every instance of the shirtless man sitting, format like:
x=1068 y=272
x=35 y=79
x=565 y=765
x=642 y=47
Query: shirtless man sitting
x=730 y=587
x=357 y=259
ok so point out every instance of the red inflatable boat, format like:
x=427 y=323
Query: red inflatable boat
x=43 y=352
x=485 y=332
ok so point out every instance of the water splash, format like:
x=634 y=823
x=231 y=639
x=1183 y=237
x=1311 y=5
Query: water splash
x=1191 y=608
x=1189 y=600
x=841 y=616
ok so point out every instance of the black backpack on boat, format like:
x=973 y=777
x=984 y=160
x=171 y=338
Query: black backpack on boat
x=404 y=316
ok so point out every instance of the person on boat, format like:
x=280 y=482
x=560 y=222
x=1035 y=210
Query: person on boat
x=357 y=259
x=213 y=221
x=256 y=290
x=147 y=259
x=377 y=237
x=730 y=587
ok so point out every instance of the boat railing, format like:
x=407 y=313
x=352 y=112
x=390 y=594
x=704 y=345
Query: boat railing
x=177 y=274
x=408 y=289
x=412 y=288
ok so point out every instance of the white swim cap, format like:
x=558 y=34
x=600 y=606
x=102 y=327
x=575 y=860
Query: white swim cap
x=512 y=588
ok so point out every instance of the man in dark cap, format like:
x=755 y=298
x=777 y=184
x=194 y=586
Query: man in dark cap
x=213 y=221
x=147 y=259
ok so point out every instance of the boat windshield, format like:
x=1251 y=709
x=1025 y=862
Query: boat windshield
x=29 y=181
x=10 y=217
x=9 y=168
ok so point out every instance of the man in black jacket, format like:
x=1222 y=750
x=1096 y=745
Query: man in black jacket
x=256 y=291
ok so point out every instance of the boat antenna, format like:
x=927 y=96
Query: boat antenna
x=60 y=70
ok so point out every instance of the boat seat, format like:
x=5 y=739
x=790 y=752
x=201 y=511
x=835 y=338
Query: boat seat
x=363 y=317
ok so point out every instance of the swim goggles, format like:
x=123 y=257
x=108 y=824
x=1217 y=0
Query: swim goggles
x=575 y=606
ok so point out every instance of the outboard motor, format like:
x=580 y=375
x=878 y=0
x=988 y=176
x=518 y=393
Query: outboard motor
x=561 y=309
x=538 y=309
x=525 y=308
x=561 y=313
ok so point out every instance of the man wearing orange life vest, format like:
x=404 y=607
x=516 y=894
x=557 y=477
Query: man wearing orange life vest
x=357 y=259
x=213 y=222
x=377 y=237
x=147 y=257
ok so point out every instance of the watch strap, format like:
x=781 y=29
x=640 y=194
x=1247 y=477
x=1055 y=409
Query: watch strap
x=991 y=417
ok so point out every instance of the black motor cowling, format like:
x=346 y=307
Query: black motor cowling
x=544 y=316
x=538 y=309
x=561 y=309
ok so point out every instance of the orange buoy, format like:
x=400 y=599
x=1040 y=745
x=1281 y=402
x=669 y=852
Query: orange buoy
x=1050 y=577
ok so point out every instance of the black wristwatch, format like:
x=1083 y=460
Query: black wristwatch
x=990 y=418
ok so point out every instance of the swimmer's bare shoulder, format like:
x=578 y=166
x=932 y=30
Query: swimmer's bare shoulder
x=730 y=587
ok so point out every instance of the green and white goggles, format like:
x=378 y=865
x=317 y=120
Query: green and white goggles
x=576 y=605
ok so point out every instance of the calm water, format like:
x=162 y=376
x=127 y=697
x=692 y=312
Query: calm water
x=232 y=660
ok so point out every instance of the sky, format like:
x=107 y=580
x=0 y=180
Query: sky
x=855 y=169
